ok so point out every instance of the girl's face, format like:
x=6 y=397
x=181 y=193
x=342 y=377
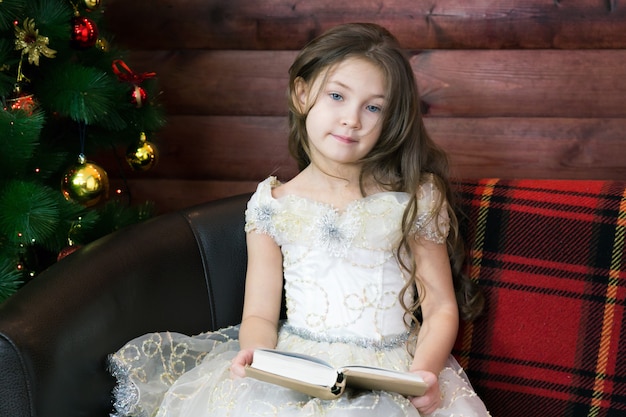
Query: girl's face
x=345 y=121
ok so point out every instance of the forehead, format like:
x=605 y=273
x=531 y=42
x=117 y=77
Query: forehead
x=356 y=70
x=355 y=66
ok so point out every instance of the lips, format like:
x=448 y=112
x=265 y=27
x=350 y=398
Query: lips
x=344 y=139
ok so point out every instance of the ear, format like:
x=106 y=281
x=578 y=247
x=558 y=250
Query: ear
x=300 y=94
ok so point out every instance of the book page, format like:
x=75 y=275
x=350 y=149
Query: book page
x=316 y=377
x=365 y=377
x=382 y=372
x=295 y=366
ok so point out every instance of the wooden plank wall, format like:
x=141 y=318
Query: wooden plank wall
x=512 y=88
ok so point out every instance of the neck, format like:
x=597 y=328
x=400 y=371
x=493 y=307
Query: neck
x=339 y=177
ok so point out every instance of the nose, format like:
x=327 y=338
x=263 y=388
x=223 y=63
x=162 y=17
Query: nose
x=350 y=118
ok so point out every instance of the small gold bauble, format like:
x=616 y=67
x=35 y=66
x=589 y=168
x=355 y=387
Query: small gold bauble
x=85 y=183
x=142 y=156
x=102 y=44
x=92 y=4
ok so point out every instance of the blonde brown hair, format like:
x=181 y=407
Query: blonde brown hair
x=403 y=156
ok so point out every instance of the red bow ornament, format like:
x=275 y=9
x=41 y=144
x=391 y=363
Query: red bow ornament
x=124 y=73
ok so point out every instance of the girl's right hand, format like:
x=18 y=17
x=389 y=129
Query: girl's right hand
x=239 y=362
x=433 y=397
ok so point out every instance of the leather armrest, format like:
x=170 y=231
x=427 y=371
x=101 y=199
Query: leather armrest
x=182 y=272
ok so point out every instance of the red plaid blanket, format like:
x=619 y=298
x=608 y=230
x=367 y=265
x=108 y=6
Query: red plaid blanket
x=550 y=257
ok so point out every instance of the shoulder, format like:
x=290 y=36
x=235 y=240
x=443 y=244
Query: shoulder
x=264 y=190
x=269 y=184
x=261 y=206
x=431 y=189
x=432 y=220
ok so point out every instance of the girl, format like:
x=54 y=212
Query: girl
x=363 y=240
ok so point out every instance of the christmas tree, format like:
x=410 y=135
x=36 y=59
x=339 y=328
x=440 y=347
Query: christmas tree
x=67 y=95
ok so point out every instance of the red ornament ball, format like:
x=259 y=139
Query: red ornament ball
x=68 y=250
x=84 y=32
x=20 y=100
x=139 y=96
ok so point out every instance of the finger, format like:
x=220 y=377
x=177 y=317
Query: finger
x=237 y=371
x=429 y=378
x=425 y=405
x=431 y=400
x=237 y=366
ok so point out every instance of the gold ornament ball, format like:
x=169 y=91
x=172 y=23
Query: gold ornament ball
x=102 y=44
x=85 y=183
x=92 y=4
x=143 y=156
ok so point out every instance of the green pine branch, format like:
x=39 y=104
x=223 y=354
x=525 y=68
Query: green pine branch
x=82 y=107
x=10 y=11
x=10 y=277
x=19 y=139
x=83 y=94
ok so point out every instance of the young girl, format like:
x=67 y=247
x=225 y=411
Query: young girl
x=364 y=241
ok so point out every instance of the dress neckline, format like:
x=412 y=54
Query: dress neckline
x=272 y=182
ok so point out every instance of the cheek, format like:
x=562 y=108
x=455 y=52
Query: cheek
x=373 y=124
x=314 y=118
x=312 y=126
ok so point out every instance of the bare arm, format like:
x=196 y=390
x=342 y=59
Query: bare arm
x=439 y=307
x=440 y=319
x=263 y=295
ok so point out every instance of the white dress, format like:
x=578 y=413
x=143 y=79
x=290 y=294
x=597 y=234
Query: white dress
x=341 y=283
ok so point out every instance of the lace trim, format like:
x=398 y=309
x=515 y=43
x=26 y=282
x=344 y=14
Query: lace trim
x=125 y=393
x=426 y=227
x=386 y=343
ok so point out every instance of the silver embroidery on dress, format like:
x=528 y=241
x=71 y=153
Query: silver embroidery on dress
x=334 y=233
x=262 y=219
x=387 y=342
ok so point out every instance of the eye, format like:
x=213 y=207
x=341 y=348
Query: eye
x=335 y=96
x=373 y=109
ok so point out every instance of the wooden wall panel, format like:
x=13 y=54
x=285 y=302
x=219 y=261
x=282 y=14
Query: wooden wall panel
x=418 y=24
x=513 y=88
x=220 y=82
x=477 y=147
x=546 y=83
x=243 y=148
x=537 y=83
x=251 y=148
x=173 y=194
x=533 y=147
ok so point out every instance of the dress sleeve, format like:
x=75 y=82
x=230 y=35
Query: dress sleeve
x=260 y=209
x=430 y=224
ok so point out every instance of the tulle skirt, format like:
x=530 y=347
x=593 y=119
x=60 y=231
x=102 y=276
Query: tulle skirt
x=174 y=375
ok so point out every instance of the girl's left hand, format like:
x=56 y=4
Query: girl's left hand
x=432 y=399
x=239 y=362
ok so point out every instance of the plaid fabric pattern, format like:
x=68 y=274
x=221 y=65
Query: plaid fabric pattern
x=550 y=257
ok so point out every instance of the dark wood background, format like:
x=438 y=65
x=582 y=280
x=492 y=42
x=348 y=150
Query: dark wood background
x=514 y=88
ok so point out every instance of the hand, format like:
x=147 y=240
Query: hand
x=239 y=362
x=432 y=399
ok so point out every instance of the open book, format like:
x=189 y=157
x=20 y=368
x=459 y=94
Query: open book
x=317 y=378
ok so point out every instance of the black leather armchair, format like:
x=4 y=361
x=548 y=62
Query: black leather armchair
x=182 y=271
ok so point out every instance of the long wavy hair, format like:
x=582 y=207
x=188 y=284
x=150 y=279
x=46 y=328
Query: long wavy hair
x=404 y=156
